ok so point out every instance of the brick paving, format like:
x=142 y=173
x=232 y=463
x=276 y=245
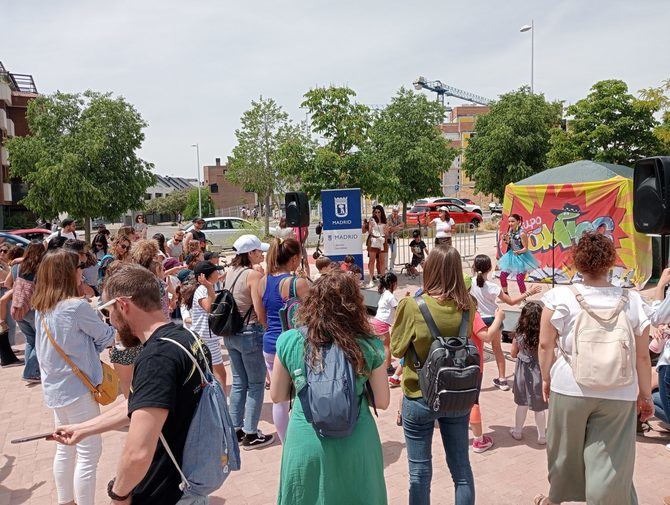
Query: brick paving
x=510 y=473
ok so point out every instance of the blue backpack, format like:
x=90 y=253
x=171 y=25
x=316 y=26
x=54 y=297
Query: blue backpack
x=328 y=396
x=288 y=314
x=102 y=269
x=211 y=450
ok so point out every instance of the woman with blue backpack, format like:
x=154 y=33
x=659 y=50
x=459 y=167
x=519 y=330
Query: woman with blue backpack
x=276 y=288
x=332 y=452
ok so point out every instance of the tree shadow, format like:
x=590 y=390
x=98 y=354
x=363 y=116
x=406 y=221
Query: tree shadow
x=392 y=449
x=17 y=495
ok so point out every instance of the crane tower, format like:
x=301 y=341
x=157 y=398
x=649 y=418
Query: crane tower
x=443 y=90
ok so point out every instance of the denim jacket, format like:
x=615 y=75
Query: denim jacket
x=82 y=335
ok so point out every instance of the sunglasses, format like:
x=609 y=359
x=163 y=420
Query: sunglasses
x=103 y=308
x=124 y=247
x=4 y=251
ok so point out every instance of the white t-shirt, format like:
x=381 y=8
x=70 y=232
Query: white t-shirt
x=71 y=235
x=185 y=314
x=199 y=316
x=566 y=308
x=386 y=307
x=659 y=313
x=175 y=249
x=486 y=297
x=443 y=228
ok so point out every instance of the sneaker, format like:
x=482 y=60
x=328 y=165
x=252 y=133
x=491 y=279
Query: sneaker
x=18 y=362
x=240 y=435
x=501 y=384
x=370 y=284
x=32 y=380
x=256 y=441
x=542 y=440
x=482 y=445
x=394 y=382
x=390 y=371
x=516 y=435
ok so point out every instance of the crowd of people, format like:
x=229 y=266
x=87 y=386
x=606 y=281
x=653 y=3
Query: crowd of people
x=132 y=296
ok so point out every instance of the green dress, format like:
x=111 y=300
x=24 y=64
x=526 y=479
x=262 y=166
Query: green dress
x=330 y=471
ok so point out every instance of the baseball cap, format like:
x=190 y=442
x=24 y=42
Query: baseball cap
x=183 y=275
x=206 y=268
x=198 y=220
x=416 y=233
x=442 y=208
x=66 y=222
x=171 y=263
x=248 y=243
x=211 y=254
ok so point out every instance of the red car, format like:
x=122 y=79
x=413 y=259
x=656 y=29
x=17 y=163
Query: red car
x=426 y=212
x=38 y=234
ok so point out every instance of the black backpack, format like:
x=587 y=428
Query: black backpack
x=450 y=378
x=225 y=319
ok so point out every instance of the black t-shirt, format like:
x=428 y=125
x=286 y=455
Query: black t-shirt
x=165 y=377
x=418 y=248
x=199 y=236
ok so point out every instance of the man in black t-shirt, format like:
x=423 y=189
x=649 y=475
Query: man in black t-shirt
x=196 y=234
x=164 y=394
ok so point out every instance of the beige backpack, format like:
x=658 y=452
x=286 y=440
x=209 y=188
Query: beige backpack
x=603 y=346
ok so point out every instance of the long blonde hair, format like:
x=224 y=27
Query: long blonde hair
x=443 y=276
x=56 y=280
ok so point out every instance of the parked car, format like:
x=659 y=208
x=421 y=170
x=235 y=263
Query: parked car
x=461 y=202
x=221 y=232
x=37 y=234
x=9 y=238
x=495 y=208
x=428 y=211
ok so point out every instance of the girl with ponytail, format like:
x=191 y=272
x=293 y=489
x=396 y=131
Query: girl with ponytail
x=487 y=294
x=383 y=320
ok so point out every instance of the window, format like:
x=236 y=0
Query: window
x=237 y=224
x=147 y=196
x=159 y=195
x=213 y=225
x=213 y=188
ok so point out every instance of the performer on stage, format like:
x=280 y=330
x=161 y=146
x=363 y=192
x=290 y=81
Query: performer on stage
x=518 y=260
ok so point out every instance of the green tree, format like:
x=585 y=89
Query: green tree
x=609 y=125
x=191 y=209
x=256 y=159
x=511 y=142
x=659 y=99
x=336 y=161
x=173 y=203
x=81 y=156
x=407 y=151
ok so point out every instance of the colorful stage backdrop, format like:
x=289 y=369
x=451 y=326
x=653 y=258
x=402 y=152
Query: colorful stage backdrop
x=556 y=215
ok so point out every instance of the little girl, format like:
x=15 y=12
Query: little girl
x=527 y=377
x=381 y=323
x=487 y=293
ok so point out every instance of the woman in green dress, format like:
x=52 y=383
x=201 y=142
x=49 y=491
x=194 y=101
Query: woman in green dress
x=337 y=471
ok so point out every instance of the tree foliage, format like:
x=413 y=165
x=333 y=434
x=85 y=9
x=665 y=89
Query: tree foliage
x=407 y=151
x=256 y=159
x=336 y=160
x=659 y=99
x=81 y=157
x=609 y=125
x=191 y=209
x=173 y=203
x=511 y=142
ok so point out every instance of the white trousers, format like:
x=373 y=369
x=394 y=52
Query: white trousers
x=75 y=466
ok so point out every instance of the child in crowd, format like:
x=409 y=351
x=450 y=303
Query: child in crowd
x=323 y=264
x=348 y=263
x=383 y=320
x=487 y=294
x=527 y=377
x=418 y=248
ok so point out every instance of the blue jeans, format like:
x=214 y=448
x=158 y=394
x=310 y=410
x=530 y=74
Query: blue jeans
x=662 y=398
x=418 y=423
x=248 y=366
x=193 y=500
x=32 y=367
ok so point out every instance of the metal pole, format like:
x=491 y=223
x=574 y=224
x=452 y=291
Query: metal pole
x=197 y=153
x=532 y=54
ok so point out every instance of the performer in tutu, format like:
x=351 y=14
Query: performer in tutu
x=518 y=260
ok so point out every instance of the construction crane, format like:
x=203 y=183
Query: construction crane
x=443 y=90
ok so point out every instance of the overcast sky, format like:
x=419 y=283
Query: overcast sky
x=192 y=68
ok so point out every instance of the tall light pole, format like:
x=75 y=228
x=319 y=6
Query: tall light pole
x=197 y=153
x=531 y=28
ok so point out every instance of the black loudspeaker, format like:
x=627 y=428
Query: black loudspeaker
x=651 y=195
x=297 y=209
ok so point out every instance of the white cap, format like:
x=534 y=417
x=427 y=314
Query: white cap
x=395 y=208
x=248 y=243
x=442 y=208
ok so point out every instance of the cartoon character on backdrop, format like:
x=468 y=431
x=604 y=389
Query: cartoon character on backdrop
x=518 y=260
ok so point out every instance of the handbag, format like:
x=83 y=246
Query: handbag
x=105 y=392
x=22 y=294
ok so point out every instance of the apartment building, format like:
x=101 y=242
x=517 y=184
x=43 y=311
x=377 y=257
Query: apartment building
x=224 y=193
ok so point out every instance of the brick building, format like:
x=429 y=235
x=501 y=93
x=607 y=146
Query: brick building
x=16 y=90
x=224 y=193
x=458 y=131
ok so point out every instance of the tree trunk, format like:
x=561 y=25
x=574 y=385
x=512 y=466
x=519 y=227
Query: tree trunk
x=267 y=214
x=87 y=230
x=404 y=213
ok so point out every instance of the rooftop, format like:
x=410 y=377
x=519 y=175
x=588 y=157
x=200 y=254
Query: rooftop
x=20 y=83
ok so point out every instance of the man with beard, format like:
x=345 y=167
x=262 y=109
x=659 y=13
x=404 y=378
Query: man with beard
x=163 y=396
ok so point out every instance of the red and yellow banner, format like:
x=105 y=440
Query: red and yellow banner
x=555 y=216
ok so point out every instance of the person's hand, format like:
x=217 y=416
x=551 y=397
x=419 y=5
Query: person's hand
x=202 y=279
x=665 y=277
x=645 y=407
x=534 y=289
x=500 y=314
x=259 y=269
x=69 y=434
x=546 y=389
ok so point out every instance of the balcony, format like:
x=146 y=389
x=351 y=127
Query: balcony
x=10 y=128
x=5 y=93
x=4 y=156
x=6 y=192
x=3 y=120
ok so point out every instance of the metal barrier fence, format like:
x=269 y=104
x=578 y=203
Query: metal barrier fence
x=464 y=239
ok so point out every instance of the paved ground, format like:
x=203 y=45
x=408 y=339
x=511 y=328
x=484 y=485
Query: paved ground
x=511 y=473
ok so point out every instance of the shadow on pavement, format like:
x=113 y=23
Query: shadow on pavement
x=392 y=450
x=17 y=495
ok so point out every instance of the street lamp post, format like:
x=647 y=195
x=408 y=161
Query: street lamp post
x=197 y=153
x=531 y=28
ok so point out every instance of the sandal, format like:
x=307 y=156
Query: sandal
x=540 y=499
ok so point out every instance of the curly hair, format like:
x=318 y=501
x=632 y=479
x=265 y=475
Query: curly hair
x=529 y=325
x=334 y=312
x=594 y=254
x=143 y=252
